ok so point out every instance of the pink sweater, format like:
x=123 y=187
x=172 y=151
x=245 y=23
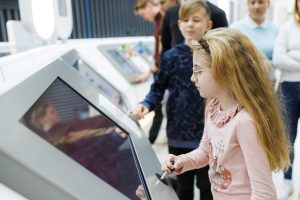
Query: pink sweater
x=239 y=167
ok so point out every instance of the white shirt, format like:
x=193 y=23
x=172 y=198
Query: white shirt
x=286 y=55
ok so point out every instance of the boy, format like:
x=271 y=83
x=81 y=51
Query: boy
x=185 y=116
x=170 y=33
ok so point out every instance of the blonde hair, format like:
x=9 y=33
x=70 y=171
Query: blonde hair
x=237 y=65
x=296 y=12
x=192 y=6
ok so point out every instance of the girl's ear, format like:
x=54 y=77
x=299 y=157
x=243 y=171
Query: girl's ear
x=209 y=25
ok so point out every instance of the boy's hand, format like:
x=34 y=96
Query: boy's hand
x=172 y=163
x=139 y=112
x=154 y=69
x=140 y=78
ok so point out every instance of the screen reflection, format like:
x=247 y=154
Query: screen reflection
x=68 y=122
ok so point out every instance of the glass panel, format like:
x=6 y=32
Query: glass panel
x=143 y=50
x=123 y=64
x=108 y=90
x=68 y=122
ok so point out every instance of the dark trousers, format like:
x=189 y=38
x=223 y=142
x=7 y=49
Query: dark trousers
x=185 y=181
x=157 y=120
x=291 y=98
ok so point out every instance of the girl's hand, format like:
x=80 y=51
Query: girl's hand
x=172 y=163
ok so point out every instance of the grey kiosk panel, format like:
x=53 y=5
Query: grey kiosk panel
x=87 y=71
x=129 y=59
x=109 y=158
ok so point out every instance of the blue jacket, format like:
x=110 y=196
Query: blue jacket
x=185 y=107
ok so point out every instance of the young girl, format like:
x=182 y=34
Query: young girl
x=185 y=107
x=244 y=136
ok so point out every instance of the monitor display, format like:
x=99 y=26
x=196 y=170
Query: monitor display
x=129 y=59
x=108 y=90
x=132 y=58
x=69 y=123
x=2 y=54
x=145 y=51
x=122 y=62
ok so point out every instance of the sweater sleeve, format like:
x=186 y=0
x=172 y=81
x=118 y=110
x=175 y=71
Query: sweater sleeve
x=199 y=157
x=281 y=60
x=256 y=161
x=294 y=55
x=160 y=84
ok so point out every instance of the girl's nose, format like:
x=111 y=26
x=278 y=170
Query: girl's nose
x=193 y=79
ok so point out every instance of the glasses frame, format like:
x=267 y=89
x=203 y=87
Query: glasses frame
x=197 y=71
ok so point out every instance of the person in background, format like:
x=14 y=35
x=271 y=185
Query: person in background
x=151 y=11
x=45 y=120
x=244 y=135
x=258 y=28
x=184 y=106
x=286 y=57
x=170 y=33
x=165 y=4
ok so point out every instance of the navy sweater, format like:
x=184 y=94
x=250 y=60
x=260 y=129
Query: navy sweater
x=185 y=107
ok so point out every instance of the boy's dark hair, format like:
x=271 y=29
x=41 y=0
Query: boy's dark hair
x=192 y=6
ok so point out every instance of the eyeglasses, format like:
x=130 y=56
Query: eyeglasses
x=197 y=72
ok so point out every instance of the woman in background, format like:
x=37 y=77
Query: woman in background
x=258 y=28
x=287 y=58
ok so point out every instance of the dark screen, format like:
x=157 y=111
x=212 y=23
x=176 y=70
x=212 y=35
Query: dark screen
x=68 y=122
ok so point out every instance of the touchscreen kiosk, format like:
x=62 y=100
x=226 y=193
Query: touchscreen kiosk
x=62 y=139
x=95 y=142
x=90 y=74
x=129 y=59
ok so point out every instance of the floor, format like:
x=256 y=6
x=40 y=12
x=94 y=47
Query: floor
x=160 y=148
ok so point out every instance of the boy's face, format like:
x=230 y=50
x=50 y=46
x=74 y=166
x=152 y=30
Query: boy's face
x=195 y=26
x=148 y=12
x=258 y=8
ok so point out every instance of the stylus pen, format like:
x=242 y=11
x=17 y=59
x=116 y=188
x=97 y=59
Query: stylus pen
x=164 y=176
x=166 y=173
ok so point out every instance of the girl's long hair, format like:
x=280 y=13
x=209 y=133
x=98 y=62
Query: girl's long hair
x=237 y=65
